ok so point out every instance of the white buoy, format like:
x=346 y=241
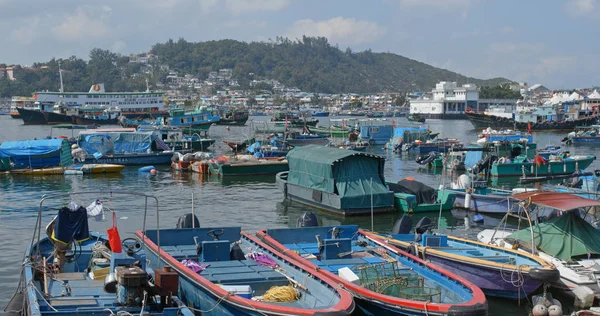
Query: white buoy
x=539 y=310
x=468 y=200
x=555 y=310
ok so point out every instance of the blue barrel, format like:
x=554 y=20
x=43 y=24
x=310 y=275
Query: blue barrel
x=146 y=169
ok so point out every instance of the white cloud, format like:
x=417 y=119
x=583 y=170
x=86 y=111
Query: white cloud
x=580 y=7
x=339 y=30
x=238 y=7
x=83 y=25
x=27 y=33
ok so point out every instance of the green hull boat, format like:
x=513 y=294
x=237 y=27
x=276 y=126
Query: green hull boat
x=333 y=131
x=566 y=166
x=412 y=196
x=249 y=168
x=408 y=203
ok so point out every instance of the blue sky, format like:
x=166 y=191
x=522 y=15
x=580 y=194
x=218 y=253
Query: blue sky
x=553 y=42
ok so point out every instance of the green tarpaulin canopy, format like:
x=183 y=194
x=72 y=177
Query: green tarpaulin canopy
x=353 y=175
x=563 y=237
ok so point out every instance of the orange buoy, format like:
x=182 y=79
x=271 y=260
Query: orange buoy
x=410 y=179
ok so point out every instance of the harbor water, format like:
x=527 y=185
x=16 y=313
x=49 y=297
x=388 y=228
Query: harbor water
x=251 y=202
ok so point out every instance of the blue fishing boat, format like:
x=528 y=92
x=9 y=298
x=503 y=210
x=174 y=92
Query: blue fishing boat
x=193 y=121
x=489 y=267
x=584 y=134
x=375 y=131
x=69 y=270
x=341 y=181
x=230 y=272
x=384 y=279
x=124 y=146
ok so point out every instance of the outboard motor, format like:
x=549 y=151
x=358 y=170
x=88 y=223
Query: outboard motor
x=307 y=219
x=403 y=225
x=185 y=221
x=422 y=226
x=131 y=282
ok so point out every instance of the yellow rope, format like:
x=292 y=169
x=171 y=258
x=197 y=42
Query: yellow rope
x=285 y=293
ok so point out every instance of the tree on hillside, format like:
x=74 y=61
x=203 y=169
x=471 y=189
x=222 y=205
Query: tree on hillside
x=500 y=91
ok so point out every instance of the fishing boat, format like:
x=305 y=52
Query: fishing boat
x=487 y=266
x=292 y=119
x=72 y=271
x=583 y=134
x=246 y=165
x=331 y=131
x=230 y=272
x=319 y=113
x=344 y=182
x=193 y=121
x=413 y=196
x=303 y=139
x=415 y=118
x=124 y=147
x=563 y=163
x=436 y=145
x=383 y=279
x=233 y=117
x=485 y=120
x=375 y=131
x=35 y=115
x=96 y=116
x=176 y=138
x=557 y=230
x=239 y=146
x=184 y=162
x=408 y=135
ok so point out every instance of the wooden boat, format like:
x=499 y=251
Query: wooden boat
x=87 y=277
x=556 y=229
x=383 y=279
x=344 y=182
x=246 y=165
x=484 y=265
x=297 y=139
x=413 y=196
x=226 y=255
x=73 y=169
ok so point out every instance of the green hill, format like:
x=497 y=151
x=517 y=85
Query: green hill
x=311 y=64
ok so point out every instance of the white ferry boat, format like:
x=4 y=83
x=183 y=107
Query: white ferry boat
x=20 y=102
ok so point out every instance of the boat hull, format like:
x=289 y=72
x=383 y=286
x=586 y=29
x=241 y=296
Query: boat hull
x=200 y=145
x=249 y=169
x=308 y=141
x=585 y=139
x=480 y=121
x=204 y=295
x=407 y=202
x=162 y=158
x=492 y=277
x=32 y=117
x=79 y=120
x=328 y=201
x=483 y=203
x=57 y=118
x=532 y=169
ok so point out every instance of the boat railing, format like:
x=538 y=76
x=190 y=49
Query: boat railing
x=38 y=226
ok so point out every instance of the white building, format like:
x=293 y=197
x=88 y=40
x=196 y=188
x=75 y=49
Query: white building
x=447 y=100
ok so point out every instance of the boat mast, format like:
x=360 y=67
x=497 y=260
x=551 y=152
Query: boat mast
x=62 y=89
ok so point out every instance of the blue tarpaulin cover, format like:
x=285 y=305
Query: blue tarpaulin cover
x=116 y=142
x=37 y=153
